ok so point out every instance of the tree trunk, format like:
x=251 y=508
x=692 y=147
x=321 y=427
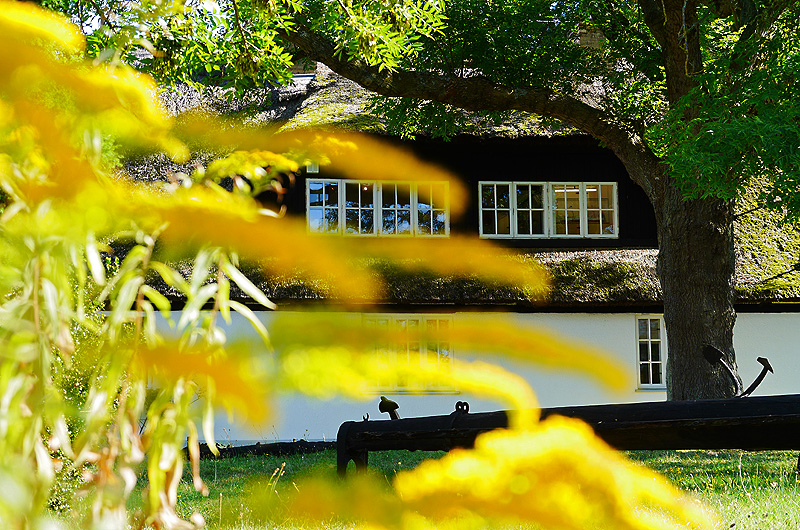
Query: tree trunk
x=696 y=265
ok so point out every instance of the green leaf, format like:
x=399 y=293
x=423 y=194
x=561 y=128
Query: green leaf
x=245 y=284
x=191 y=312
x=160 y=301
x=50 y=299
x=95 y=263
x=123 y=304
x=252 y=318
x=172 y=277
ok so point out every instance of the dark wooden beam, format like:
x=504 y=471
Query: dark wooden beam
x=754 y=423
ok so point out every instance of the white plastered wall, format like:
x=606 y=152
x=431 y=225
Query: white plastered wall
x=775 y=336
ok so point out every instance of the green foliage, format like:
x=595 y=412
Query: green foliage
x=746 y=124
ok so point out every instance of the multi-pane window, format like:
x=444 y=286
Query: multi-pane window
x=566 y=205
x=652 y=352
x=530 y=209
x=548 y=209
x=359 y=207
x=496 y=209
x=432 y=208
x=415 y=341
x=323 y=205
x=396 y=208
x=378 y=208
x=601 y=212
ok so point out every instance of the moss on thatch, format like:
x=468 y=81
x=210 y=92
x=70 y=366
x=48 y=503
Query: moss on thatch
x=767 y=252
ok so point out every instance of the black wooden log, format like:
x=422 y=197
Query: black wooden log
x=754 y=423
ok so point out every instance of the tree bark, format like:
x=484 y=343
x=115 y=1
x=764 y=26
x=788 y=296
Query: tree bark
x=696 y=266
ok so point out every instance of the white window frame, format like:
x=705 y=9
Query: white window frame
x=392 y=353
x=663 y=352
x=549 y=203
x=377 y=194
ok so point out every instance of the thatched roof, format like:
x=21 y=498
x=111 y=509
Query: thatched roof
x=581 y=278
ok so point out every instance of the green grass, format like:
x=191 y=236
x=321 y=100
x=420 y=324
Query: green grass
x=749 y=491
x=242 y=489
x=758 y=491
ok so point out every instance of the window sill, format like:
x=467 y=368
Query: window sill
x=655 y=389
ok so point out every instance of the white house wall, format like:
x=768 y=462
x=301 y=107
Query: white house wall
x=774 y=336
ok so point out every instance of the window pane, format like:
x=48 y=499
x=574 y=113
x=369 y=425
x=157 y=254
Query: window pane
x=316 y=221
x=367 y=197
x=655 y=328
x=439 y=222
x=424 y=221
x=644 y=354
x=351 y=191
x=388 y=196
x=423 y=196
x=438 y=193
x=607 y=196
x=559 y=198
x=566 y=209
x=537 y=223
x=644 y=373
x=404 y=195
x=367 y=221
x=523 y=196
x=643 y=328
x=655 y=351
x=388 y=222
x=537 y=197
x=523 y=222
x=489 y=226
x=572 y=196
x=433 y=354
x=404 y=222
x=573 y=222
x=593 y=223
x=560 y=222
x=332 y=193
x=351 y=221
x=487 y=196
x=657 y=374
x=592 y=197
x=331 y=219
x=503 y=194
x=608 y=222
x=503 y=222
x=315 y=193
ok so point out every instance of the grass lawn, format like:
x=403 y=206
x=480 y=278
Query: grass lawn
x=749 y=491
x=757 y=491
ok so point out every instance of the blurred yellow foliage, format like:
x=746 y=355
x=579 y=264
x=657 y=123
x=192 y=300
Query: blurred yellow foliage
x=555 y=474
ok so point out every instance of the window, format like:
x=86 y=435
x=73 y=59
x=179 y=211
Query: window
x=372 y=208
x=422 y=340
x=548 y=209
x=652 y=351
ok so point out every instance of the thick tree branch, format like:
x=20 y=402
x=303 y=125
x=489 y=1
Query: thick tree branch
x=478 y=93
x=655 y=18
